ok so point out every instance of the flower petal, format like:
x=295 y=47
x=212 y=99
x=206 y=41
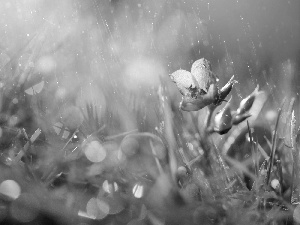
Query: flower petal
x=184 y=81
x=201 y=71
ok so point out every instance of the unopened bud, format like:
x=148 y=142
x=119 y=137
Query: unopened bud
x=247 y=102
x=223 y=93
x=223 y=120
x=237 y=118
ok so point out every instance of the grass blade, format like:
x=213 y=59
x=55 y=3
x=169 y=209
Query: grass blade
x=273 y=145
x=295 y=198
x=255 y=162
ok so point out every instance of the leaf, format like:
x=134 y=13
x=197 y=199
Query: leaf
x=274 y=141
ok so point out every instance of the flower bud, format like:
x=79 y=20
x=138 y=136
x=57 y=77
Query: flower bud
x=238 y=118
x=223 y=120
x=225 y=91
x=247 y=102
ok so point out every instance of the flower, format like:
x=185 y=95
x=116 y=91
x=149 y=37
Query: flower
x=198 y=87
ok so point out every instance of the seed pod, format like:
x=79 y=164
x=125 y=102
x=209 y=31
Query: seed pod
x=223 y=120
x=247 y=102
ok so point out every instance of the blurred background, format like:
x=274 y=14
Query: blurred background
x=58 y=58
x=128 y=46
